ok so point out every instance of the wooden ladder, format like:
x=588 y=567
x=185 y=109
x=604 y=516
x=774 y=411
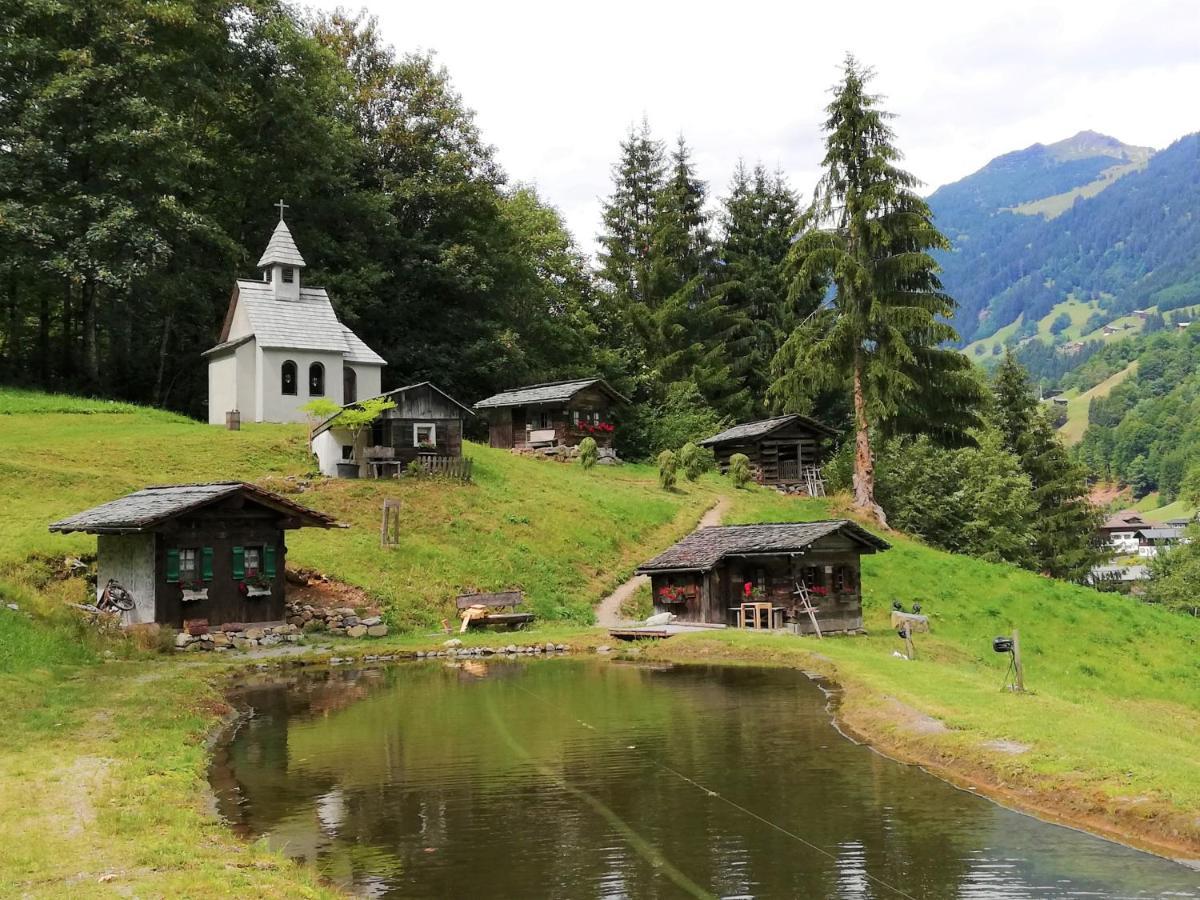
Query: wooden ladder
x=814 y=482
x=806 y=605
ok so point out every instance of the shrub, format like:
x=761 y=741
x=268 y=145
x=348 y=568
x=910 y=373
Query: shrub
x=587 y=452
x=739 y=470
x=667 y=469
x=695 y=460
x=414 y=469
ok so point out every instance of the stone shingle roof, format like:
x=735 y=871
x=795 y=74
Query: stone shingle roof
x=281 y=249
x=550 y=392
x=748 y=431
x=357 y=351
x=704 y=548
x=397 y=392
x=145 y=509
x=305 y=324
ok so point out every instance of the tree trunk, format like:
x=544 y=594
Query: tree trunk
x=159 y=397
x=91 y=357
x=12 y=343
x=66 y=367
x=44 y=339
x=864 y=461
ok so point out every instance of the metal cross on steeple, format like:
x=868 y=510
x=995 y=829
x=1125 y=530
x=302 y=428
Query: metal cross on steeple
x=282 y=206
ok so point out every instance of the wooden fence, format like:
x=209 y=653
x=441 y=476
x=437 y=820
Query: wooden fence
x=456 y=468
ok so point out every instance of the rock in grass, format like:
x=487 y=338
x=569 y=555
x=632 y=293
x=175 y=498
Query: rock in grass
x=356 y=631
x=453 y=642
x=377 y=630
x=371 y=621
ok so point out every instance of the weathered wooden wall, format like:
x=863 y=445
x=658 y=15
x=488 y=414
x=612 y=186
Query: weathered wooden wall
x=832 y=563
x=765 y=453
x=221 y=527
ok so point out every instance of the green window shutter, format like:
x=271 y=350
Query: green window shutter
x=173 y=565
x=206 y=559
x=269 y=560
x=239 y=563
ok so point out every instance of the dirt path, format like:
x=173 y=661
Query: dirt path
x=608 y=613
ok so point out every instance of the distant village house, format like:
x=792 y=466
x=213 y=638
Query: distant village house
x=196 y=551
x=555 y=414
x=282 y=345
x=711 y=573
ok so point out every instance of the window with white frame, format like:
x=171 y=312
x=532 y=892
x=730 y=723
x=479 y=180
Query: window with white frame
x=189 y=565
x=253 y=565
x=425 y=435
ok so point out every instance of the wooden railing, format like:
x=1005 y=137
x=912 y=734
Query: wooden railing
x=457 y=468
x=789 y=470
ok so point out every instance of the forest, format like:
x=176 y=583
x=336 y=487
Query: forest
x=142 y=148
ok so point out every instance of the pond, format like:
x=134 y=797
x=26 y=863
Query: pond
x=598 y=779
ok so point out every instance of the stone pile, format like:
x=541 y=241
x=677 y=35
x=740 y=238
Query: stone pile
x=605 y=456
x=344 y=621
x=236 y=636
x=454 y=648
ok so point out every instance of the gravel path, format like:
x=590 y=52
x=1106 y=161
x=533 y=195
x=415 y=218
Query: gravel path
x=608 y=613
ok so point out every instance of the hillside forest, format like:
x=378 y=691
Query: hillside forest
x=142 y=148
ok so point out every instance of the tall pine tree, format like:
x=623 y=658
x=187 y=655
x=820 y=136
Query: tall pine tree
x=884 y=334
x=1065 y=521
x=757 y=219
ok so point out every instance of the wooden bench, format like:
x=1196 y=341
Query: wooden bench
x=500 y=600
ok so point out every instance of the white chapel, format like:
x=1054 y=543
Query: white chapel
x=282 y=345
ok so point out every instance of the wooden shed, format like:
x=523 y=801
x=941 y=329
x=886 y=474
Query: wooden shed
x=196 y=551
x=555 y=414
x=425 y=422
x=711 y=572
x=785 y=450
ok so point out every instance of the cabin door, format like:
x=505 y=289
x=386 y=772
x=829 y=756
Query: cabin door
x=789 y=462
x=518 y=426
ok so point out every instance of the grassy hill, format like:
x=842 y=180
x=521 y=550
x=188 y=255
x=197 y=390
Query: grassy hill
x=1078 y=402
x=1105 y=737
x=560 y=534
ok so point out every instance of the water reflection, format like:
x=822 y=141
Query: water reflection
x=586 y=779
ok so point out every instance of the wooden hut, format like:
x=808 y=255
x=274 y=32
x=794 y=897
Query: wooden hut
x=196 y=551
x=426 y=422
x=785 y=450
x=556 y=414
x=708 y=575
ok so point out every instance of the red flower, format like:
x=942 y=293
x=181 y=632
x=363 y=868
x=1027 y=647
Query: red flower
x=748 y=588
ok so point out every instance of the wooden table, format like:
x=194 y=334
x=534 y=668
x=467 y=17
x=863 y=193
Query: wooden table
x=379 y=467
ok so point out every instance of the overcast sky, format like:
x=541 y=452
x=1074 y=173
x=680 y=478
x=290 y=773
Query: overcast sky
x=555 y=85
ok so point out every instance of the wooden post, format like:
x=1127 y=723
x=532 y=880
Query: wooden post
x=389 y=528
x=909 y=650
x=1017 y=669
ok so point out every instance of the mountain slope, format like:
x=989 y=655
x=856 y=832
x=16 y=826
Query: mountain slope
x=1127 y=240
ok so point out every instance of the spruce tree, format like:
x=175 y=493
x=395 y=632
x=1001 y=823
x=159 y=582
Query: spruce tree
x=757 y=218
x=1065 y=521
x=884 y=335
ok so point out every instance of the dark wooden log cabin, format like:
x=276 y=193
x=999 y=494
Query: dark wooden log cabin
x=426 y=421
x=556 y=414
x=779 y=449
x=703 y=578
x=196 y=551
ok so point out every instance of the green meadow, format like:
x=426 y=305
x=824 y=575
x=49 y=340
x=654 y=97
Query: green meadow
x=104 y=760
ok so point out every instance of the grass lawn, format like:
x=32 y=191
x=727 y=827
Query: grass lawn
x=1077 y=404
x=103 y=760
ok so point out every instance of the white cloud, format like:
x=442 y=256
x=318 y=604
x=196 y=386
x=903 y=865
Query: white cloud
x=556 y=85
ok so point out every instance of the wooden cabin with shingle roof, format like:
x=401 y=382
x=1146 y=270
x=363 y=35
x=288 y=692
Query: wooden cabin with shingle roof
x=554 y=414
x=708 y=575
x=195 y=551
x=784 y=450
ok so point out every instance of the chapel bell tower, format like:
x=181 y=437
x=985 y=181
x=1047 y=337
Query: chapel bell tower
x=281 y=262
